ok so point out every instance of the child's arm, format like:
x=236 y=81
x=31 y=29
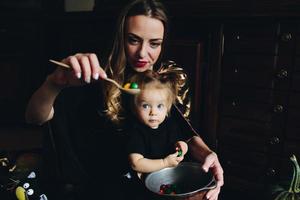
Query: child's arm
x=144 y=165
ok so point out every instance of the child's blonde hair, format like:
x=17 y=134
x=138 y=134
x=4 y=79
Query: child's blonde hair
x=151 y=79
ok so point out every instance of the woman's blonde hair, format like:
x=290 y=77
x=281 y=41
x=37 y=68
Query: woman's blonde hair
x=116 y=65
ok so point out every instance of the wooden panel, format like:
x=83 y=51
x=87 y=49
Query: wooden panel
x=244 y=38
x=253 y=104
x=244 y=134
x=293 y=125
x=255 y=70
x=188 y=54
x=245 y=164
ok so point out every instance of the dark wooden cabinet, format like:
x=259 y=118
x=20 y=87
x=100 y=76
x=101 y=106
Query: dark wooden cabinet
x=258 y=101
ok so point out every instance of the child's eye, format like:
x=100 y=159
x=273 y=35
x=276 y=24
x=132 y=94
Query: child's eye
x=145 y=106
x=160 y=106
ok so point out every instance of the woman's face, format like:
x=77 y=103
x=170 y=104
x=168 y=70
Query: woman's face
x=143 y=41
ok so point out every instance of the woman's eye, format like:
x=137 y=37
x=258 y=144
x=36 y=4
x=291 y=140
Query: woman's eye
x=133 y=40
x=155 y=45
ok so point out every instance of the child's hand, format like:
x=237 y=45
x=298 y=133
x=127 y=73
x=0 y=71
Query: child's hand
x=172 y=160
x=181 y=148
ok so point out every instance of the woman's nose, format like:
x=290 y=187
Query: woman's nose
x=143 y=50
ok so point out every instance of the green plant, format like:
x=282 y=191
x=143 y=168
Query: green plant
x=293 y=191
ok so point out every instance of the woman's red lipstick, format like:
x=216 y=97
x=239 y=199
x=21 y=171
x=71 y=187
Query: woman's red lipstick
x=140 y=64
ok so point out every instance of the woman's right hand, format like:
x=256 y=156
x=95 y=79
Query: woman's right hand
x=84 y=69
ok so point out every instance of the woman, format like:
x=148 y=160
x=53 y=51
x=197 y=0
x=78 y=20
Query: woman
x=92 y=116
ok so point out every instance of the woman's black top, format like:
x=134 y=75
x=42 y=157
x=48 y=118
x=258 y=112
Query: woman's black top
x=88 y=152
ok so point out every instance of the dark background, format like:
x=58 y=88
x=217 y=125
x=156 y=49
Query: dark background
x=242 y=58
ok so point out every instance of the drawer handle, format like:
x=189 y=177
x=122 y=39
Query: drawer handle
x=282 y=74
x=271 y=172
x=286 y=37
x=274 y=140
x=278 y=109
x=234 y=104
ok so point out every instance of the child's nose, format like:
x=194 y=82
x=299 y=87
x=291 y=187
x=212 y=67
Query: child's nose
x=153 y=111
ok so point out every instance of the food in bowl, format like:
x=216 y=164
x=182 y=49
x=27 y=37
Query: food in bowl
x=186 y=179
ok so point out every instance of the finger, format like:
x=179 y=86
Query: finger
x=73 y=61
x=86 y=68
x=218 y=174
x=209 y=161
x=213 y=193
x=94 y=65
x=97 y=70
x=219 y=178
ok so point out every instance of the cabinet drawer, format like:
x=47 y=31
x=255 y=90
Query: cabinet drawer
x=253 y=104
x=293 y=124
x=244 y=134
x=246 y=37
x=254 y=70
x=294 y=101
x=296 y=82
x=289 y=37
x=248 y=165
x=297 y=36
x=280 y=167
x=252 y=94
x=292 y=147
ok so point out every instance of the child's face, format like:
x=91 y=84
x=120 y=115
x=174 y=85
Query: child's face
x=152 y=107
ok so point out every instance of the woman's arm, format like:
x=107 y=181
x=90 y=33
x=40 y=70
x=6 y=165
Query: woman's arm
x=209 y=159
x=84 y=68
x=40 y=106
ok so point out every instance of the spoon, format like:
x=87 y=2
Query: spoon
x=127 y=90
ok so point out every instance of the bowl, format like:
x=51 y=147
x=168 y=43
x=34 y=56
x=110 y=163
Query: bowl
x=186 y=179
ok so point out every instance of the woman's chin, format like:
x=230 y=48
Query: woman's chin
x=143 y=68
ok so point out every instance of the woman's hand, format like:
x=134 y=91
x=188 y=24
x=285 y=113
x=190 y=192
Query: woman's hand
x=84 y=69
x=209 y=159
x=212 y=163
